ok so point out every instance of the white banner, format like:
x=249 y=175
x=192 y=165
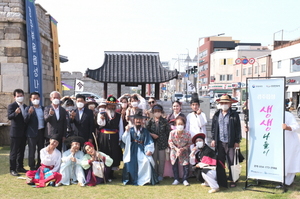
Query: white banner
x=190 y=86
x=265 y=141
x=79 y=85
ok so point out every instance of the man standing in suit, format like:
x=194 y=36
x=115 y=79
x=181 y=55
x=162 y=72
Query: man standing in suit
x=34 y=118
x=83 y=118
x=16 y=113
x=56 y=119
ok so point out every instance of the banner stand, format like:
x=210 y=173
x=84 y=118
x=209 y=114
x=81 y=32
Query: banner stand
x=260 y=181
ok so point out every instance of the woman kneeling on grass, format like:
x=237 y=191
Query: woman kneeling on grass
x=92 y=158
x=47 y=173
x=208 y=171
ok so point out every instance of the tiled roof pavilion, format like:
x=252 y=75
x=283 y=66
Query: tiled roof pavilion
x=132 y=68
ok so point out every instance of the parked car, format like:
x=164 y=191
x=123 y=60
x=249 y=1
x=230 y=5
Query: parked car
x=236 y=106
x=97 y=98
x=178 y=96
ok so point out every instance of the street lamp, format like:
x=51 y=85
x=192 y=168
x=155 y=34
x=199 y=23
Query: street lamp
x=198 y=52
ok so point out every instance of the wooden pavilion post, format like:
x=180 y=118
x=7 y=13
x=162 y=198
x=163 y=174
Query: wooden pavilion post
x=104 y=90
x=143 y=90
x=119 y=90
x=157 y=91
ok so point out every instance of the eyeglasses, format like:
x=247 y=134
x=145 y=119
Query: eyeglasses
x=151 y=102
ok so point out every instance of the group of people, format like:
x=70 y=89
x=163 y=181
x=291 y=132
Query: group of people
x=95 y=138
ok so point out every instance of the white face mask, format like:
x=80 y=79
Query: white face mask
x=19 y=99
x=101 y=110
x=224 y=107
x=157 y=114
x=80 y=104
x=69 y=108
x=134 y=104
x=92 y=106
x=199 y=144
x=36 y=102
x=180 y=127
x=56 y=101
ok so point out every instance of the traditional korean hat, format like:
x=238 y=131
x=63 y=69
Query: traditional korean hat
x=56 y=137
x=71 y=139
x=138 y=115
x=112 y=100
x=199 y=135
x=195 y=98
x=226 y=98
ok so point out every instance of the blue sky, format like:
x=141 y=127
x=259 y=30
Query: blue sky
x=88 y=28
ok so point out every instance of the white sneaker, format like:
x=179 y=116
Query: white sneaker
x=213 y=190
x=204 y=184
x=176 y=182
x=186 y=183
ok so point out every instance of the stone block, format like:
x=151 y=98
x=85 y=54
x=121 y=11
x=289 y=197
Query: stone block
x=12 y=43
x=15 y=17
x=1 y=34
x=1 y=8
x=6 y=9
x=12 y=36
x=14 y=69
x=11 y=82
x=16 y=60
x=13 y=51
x=3 y=60
x=12 y=29
x=1 y=51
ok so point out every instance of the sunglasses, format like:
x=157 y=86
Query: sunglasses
x=151 y=102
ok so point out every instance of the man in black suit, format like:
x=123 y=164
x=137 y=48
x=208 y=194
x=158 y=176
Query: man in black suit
x=83 y=118
x=34 y=118
x=16 y=113
x=56 y=119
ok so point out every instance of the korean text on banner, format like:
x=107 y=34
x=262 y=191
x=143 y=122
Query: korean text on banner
x=191 y=87
x=33 y=49
x=266 y=138
x=57 y=77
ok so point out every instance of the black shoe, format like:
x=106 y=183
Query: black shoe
x=14 y=173
x=22 y=170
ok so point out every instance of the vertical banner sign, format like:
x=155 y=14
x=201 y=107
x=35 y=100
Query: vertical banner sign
x=266 y=138
x=56 y=66
x=190 y=86
x=33 y=49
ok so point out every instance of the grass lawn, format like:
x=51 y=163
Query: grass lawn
x=12 y=187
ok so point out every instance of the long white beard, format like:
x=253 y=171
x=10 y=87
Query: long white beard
x=111 y=113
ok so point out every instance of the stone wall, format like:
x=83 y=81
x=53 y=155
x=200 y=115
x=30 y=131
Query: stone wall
x=13 y=56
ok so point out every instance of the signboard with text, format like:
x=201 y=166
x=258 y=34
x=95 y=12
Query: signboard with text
x=34 y=50
x=265 y=137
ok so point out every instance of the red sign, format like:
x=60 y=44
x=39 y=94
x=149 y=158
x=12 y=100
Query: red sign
x=238 y=61
x=251 y=61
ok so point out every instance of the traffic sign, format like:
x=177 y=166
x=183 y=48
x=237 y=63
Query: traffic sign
x=238 y=61
x=251 y=61
x=245 y=61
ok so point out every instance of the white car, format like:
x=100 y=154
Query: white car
x=236 y=106
x=97 y=98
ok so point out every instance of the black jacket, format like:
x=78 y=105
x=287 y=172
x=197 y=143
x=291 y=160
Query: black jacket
x=234 y=128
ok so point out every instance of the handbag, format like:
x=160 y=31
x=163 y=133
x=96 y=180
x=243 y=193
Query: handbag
x=236 y=168
x=98 y=169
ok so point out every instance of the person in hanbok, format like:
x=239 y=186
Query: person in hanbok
x=179 y=142
x=71 y=169
x=139 y=147
x=292 y=148
x=209 y=171
x=196 y=120
x=93 y=157
x=47 y=173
